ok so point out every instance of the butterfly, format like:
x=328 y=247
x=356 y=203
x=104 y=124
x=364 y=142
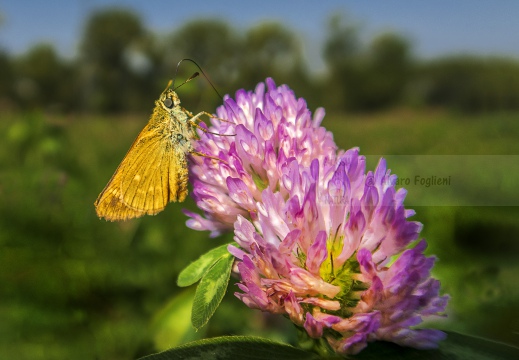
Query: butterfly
x=154 y=171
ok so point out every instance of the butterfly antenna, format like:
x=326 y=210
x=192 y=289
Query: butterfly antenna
x=186 y=81
x=195 y=75
x=210 y=83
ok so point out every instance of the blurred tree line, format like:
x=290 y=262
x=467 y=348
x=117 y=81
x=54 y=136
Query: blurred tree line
x=121 y=66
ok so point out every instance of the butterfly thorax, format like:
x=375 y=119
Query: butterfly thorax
x=172 y=120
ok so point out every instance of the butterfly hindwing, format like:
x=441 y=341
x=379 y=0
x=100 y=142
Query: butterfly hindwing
x=141 y=183
x=122 y=198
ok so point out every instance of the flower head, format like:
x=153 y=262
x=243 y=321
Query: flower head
x=320 y=240
x=271 y=130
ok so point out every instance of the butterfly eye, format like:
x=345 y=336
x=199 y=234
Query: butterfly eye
x=168 y=103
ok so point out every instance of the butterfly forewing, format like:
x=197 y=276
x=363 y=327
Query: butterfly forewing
x=160 y=177
x=154 y=171
x=116 y=201
x=141 y=182
x=152 y=174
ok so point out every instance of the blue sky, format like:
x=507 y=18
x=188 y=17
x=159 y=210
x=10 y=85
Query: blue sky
x=436 y=27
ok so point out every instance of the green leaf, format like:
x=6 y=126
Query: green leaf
x=194 y=271
x=476 y=348
x=455 y=347
x=233 y=347
x=211 y=290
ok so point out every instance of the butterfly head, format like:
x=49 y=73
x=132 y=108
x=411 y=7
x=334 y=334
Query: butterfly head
x=169 y=99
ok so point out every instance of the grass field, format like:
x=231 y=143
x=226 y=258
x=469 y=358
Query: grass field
x=73 y=286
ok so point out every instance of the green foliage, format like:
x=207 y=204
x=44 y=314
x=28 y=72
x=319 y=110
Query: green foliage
x=107 y=35
x=198 y=268
x=122 y=66
x=233 y=347
x=471 y=84
x=365 y=78
x=213 y=43
x=215 y=46
x=388 y=72
x=116 y=61
x=213 y=269
x=456 y=346
x=342 y=44
x=272 y=50
x=211 y=291
x=234 y=61
x=44 y=80
x=7 y=76
x=74 y=286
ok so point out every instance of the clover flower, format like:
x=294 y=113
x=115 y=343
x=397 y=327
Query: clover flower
x=320 y=240
x=270 y=129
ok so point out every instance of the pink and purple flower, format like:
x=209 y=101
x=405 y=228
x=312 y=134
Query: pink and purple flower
x=321 y=240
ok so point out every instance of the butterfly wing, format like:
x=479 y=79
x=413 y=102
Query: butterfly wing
x=152 y=174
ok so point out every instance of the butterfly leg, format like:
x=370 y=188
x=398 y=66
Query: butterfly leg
x=196 y=117
x=208 y=156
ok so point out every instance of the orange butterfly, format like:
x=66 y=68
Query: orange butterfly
x=154 y=171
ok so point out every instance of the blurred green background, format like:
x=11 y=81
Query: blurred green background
x=74 y=286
